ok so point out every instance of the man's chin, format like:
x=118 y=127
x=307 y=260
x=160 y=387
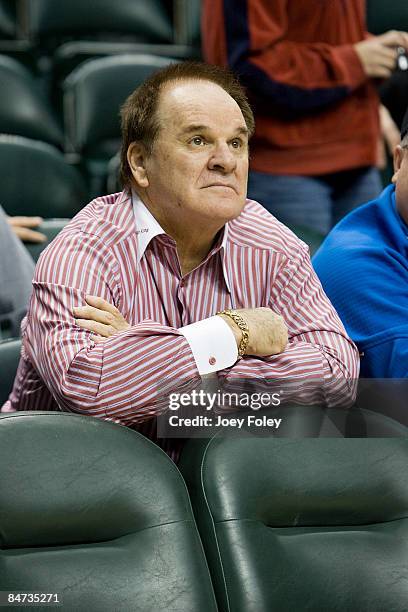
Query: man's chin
x=227 y=208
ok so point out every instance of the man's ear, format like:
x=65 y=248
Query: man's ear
x=398 y=155
x=136 y=156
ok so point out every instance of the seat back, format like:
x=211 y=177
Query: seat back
x=50 y=21
x=189 y=20
x=98 y=514
x=23 y=108
x=9 y=358
x=7 y=19
x=93 y=95
x=49 y=227
x=36 y=180
x=302 y=524
x=71 y=54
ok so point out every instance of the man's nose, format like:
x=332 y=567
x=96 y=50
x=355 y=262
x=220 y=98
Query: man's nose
x=222 y=158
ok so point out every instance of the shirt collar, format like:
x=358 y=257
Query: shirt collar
x=147 y=227
x=223 y=250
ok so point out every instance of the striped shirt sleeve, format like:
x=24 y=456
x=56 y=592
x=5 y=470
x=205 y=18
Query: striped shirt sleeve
x=122 y=378
x=318 y=349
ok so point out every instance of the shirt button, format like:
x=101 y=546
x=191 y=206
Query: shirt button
x=212 y=360
x=181 y=283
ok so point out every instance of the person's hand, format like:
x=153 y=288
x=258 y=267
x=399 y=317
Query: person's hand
x=268 y=334
x=390 y=136
x=21 y=227
x=378 y=55
x=99 y=317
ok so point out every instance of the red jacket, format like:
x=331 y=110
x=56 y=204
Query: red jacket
x=316 y=111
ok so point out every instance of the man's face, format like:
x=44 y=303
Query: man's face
x=197 y=172
x=400 y=179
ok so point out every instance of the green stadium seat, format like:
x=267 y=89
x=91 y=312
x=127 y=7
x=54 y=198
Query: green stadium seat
x=113 y=179
x=189 y=20
x=93 y=95
x=98 y=514
x=71 y=54
x=49 y=227
x=36 y=180
x=302 y=524
x=48 y=23
x=7 y=19
x=24 y=111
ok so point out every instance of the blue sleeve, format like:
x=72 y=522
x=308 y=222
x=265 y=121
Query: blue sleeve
x=389 y=359
x=368 y=286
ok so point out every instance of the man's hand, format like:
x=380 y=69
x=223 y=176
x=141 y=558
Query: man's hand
x=99 y=317
x=268 y=334
x=378 y=55
x=21 y=227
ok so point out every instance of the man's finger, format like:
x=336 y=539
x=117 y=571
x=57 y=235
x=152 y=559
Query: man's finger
x=28 y=235
x=94 y=314
x=97 y=338
x=382 y=73
x=98 y=328
x=101 y=304
x=25 y=221
x=394 y=38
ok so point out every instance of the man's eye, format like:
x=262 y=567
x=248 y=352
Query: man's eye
x=236 y=143
x=197 y=140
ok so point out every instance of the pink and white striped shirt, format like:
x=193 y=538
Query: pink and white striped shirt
x=259 y=262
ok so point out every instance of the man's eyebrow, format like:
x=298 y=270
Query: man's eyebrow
x=194 y=128
x=243 y=130
x=203 y=128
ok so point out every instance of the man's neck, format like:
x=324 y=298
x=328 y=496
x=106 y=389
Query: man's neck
x=189 y=262
x=190 y=256
x=192 y=246
x=194 y=240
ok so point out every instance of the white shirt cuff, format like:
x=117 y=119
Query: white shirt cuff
x=212 y=343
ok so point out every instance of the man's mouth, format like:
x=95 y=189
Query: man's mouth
x=223 y=185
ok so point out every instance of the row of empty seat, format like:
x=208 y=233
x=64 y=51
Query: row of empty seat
x=99 y=515
x=53 y=38
x=93 y=94
x=46 y=24
x=37 y=180
x=50 y=95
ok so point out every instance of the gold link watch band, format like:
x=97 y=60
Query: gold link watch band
x=243 y=326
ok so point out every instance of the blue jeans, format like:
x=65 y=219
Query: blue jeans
x=317 y=202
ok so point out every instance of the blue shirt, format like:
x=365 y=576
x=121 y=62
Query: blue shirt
x=363 y=266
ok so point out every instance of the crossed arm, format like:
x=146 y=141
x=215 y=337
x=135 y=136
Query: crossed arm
x=318 y=354
x=126 y=375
